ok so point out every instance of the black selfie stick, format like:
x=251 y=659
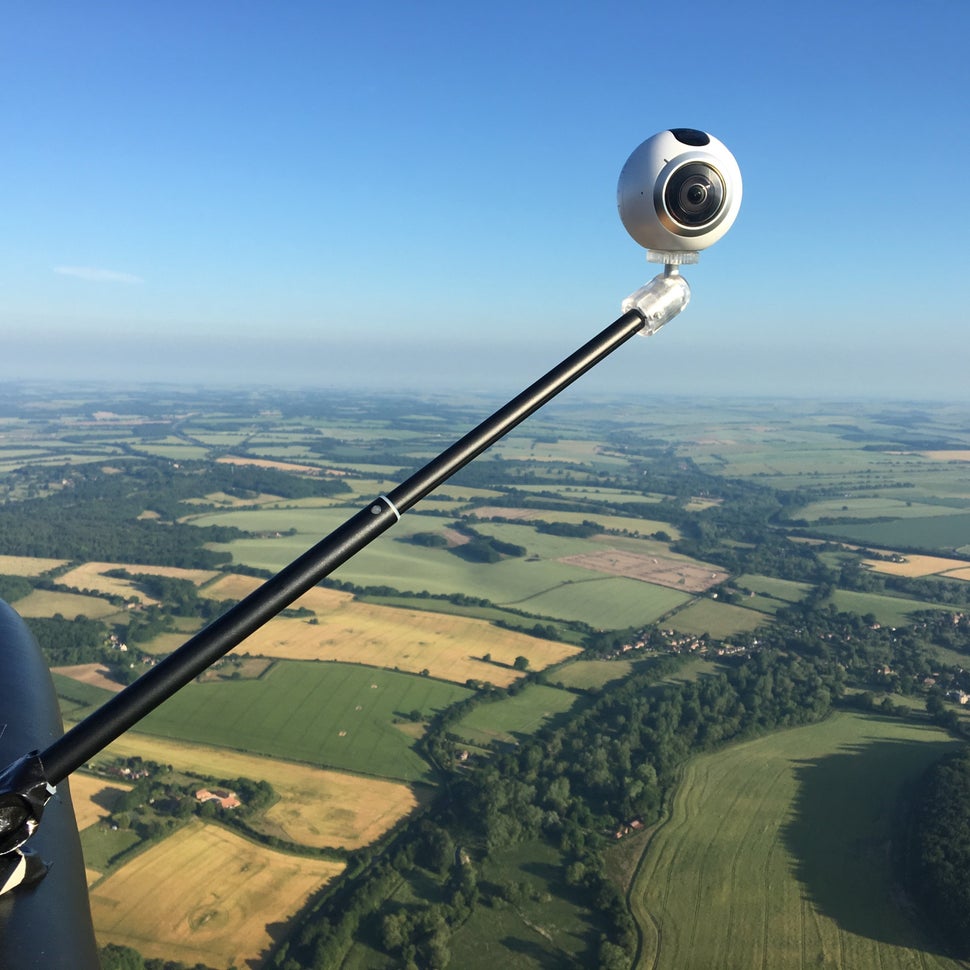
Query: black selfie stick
x=667 y=295
x=27 y=783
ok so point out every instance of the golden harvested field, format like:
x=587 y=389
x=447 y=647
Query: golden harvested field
x=959 y=574
x=227 y=501
x=381 y=636
x=91 y=576
x=286 y=466
x=918 y=566
x=234 y=587
x=93 y=797
x=954 y=455
x=448 y=647
x=204 y=895
x=317 y=808
x=27 y=565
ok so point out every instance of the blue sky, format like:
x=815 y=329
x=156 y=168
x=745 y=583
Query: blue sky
x=423 y=194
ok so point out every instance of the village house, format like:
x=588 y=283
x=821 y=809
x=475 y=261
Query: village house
x=224 y=797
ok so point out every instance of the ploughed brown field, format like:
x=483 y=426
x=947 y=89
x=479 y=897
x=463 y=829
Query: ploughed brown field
x=690 y=577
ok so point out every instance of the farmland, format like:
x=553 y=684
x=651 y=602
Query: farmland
x=316 y=807
x=188 y=897
x=327 y=714
x=514 y=717
x=448 y=647
x=783 y=844
x=607 y=526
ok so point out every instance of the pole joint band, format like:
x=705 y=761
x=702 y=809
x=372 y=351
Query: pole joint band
x=391 y=506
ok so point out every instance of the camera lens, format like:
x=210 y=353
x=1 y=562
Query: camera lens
x=694 y=194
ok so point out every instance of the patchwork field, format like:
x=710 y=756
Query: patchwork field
x=318 y=808
x=204 y=895
x=91 y=576
x=521 y=582
x=448 y=646
x=777 y=854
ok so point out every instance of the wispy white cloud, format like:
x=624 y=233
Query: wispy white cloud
x=95 y=274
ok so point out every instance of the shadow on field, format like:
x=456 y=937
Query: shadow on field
x=845 y=832
x=537 y=954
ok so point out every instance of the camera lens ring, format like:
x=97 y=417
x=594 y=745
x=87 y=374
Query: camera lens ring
x=691 y=198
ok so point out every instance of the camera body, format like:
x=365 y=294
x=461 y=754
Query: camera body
x=679 y=192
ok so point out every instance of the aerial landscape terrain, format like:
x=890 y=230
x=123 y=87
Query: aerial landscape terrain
x=654 y=683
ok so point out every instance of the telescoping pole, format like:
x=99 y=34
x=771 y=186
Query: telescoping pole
x=646 y=311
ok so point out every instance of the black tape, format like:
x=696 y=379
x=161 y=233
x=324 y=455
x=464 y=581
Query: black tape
x=24 y=791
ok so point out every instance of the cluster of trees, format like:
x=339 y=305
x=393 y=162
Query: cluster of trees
x=115 y=957
x=940 y=849
x=244 y=481
x=483 y=548
x=617 y=760
x=98 y=516
x=576 y=530
x=14 y=588
x=64 y=642
x=176 y=596
x=158 y=803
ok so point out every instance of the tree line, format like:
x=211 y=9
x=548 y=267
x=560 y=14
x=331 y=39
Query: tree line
x=573 y=786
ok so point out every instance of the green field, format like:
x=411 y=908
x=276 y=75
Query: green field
x=936 y=533
x=329 y=714
x=510 y=719
x=717 y=619
x=586 y=674
x=777 y=854
x=544 y=588
x=102 y=845
x=771 y=594
x=604 y=602
x=76 y=698
x=868 y=508
x=888 y=610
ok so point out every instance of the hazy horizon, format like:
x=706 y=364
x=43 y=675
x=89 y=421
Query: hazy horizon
x=668 y=363
x=382 y=193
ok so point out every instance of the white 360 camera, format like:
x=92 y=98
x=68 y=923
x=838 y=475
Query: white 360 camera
x=678 y=193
